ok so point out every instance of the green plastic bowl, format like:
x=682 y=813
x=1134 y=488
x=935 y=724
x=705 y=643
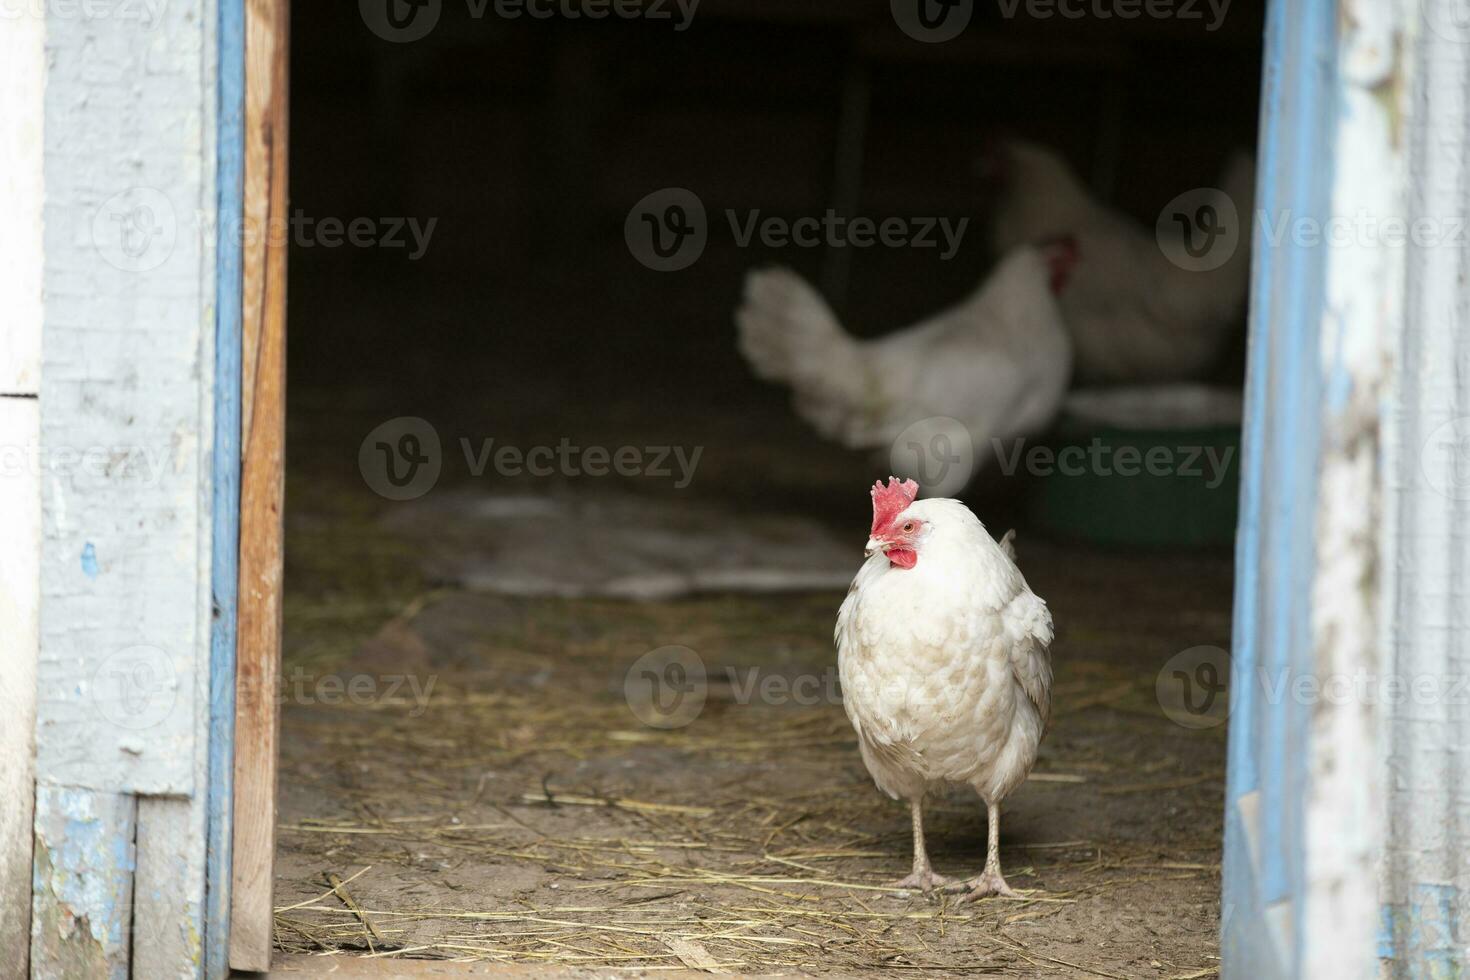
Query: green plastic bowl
x=1140 y=468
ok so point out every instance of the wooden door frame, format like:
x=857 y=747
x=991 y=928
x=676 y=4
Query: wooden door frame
x=262 y=433
x=1303 y=496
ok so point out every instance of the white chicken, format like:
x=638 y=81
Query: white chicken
x=999 y=362
x=1133 y=315
x=944 y=656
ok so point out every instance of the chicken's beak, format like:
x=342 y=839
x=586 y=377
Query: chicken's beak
x=874 y=544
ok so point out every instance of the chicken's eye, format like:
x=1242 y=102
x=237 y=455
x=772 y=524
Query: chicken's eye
x=908 y=527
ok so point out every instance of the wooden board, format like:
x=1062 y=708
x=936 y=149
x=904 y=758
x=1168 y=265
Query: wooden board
x=20 y=502
x=22 y=108
x=84 y=883
x=168 y=888
x=125 y=418
x=262 y=481
x=121 y=422
x=225 y=532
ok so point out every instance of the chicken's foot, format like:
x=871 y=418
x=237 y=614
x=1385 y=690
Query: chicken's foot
x=922 y=877
x=989 y=882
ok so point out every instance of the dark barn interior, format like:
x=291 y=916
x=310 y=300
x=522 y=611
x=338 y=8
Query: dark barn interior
x=460 y=717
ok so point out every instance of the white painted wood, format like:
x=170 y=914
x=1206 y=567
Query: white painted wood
x=128 y=299
x=1424 y=875
x=126 y=424
x=22 y=82
x=1363 y=312
x=168 y=890
x=20 y=512
x=22 y=109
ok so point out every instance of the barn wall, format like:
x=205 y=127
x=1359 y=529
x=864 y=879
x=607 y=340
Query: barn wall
x=1360 y=323
x=1347 y=820
x=22 y=78
x=126 y=414
x=1424 y=916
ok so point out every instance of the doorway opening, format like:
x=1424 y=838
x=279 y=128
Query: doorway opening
x=562 y=570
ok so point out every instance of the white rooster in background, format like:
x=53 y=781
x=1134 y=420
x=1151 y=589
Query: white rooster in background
x=999 y=362
x=1133 y=315
x=943 y=652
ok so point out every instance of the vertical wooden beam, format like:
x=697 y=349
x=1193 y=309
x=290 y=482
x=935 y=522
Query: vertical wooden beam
x=262 y=484
x=169 y=881
x=22 y=112
x=225 y=575
x=20 y=503
x=168 y=885
x=126 y=410
x=1424 y=911
x=1308 y=773
x=1266 y=775
x=1362 y=318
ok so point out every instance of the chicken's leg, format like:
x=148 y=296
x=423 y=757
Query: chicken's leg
x=988 y=882
x=923 y=876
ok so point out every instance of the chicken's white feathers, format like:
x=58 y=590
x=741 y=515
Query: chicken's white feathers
x=1133 y=315
x=946 y=666
x=999 y=361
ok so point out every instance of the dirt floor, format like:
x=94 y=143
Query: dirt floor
x=472 y=770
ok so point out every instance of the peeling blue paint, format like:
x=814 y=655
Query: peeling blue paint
x=82 y=876
x=89 y=561
x=1387 y=929
x=1422 y=936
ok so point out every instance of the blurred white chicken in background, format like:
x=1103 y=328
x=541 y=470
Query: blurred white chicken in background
x=999 y=362
x=1133 y=315
x=944 y=655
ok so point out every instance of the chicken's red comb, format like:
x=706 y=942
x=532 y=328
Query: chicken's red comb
x=1061 y=254
x=892 y=500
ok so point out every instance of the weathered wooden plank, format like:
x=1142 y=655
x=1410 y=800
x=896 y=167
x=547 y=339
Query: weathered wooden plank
x=172 y=835
x=1264 y=869
x=261 y=488
x=125 y=422
x=168 y=888
x=82 y=916
x=225 y=575
x=125 y=302
x=22 y=109
x=20 y=503
x=1424 y=894
x=1362 y=314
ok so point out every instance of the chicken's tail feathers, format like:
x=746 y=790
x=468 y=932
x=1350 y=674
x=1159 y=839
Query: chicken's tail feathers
x=789 y=334
x=784 y=324
x=1007 y=544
